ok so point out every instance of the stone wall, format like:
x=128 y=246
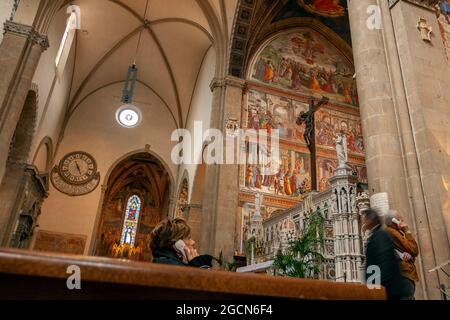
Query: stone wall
x=6 y=8
x=426 y=79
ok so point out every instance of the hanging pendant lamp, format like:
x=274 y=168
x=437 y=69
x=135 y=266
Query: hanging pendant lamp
x=128 y=115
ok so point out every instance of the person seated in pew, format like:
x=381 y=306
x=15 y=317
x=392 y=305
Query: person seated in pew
x=172 y=244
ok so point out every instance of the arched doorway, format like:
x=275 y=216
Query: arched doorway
x=23 y=188
x=135 y=201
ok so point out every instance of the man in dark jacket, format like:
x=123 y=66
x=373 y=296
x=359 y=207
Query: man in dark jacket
x=380 y=253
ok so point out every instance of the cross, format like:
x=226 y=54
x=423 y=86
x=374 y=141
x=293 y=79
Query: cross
x=308 y=119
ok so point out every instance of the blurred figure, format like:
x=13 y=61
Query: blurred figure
x=405 y=248
x=380 y=252
x=172 y=244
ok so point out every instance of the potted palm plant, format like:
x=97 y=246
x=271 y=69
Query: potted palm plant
x=303 y=257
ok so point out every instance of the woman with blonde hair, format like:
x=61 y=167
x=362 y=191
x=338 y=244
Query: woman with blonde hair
x=172 y=244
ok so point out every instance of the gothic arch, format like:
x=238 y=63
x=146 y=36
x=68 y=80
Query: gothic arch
x=140 y=173
x=290 y=26
x=46 y=143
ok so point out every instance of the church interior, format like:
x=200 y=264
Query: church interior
x=95 y=94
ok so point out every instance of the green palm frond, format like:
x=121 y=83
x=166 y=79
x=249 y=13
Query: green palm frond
x=302 y=258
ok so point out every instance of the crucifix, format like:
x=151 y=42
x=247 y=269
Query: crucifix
x=308 y=119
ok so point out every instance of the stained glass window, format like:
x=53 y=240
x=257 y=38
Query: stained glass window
x=130 y=221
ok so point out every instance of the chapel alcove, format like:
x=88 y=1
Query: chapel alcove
x=23 y=188
x=135 y=201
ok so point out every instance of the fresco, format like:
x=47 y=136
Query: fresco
x=325 y=169
x=269 y=112
x=339 y=23
x=60 y=242
x=443 y=15
x=305 y=61
x=292 y=180
x=326 y=8
x=329 y=123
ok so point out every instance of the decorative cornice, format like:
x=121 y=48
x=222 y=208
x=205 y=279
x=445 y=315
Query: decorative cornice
x=245 y=14
x=228 y=81
x=28 y=32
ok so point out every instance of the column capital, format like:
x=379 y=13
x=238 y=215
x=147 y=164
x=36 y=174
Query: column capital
x=26 y=31
x=228 y=81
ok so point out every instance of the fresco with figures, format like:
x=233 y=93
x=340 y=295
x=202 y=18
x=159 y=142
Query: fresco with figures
x=266 y=111
x=293 y=178
x=305 y=61
x=284 y=74
x=325 y=169
x=330 y=122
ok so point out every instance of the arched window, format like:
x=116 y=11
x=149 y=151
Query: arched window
x=130 y=222
x=66 y=42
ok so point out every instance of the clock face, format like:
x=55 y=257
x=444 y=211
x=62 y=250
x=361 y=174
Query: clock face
x=77 y=168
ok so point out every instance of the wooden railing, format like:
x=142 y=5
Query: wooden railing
x=37 y=275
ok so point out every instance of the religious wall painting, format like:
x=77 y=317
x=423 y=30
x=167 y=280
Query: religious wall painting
x=326 y=8
x=325 y=170
x=268 y=112
x=330 y=122
x=293 y=178
x=338 y=20
x=326 y=167
x=56 y=242
x=305 y=62
x=443 y=16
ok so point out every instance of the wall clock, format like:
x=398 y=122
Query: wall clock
x=76 y=174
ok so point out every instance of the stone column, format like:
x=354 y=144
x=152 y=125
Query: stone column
x=221 y=193
x=20 y=52
x=384 y=157
x=194 y=219
x=393 y=123
x=422 y=76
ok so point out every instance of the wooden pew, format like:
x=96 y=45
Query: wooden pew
x=37 y=275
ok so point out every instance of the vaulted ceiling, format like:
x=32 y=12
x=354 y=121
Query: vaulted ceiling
x=176 y=36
